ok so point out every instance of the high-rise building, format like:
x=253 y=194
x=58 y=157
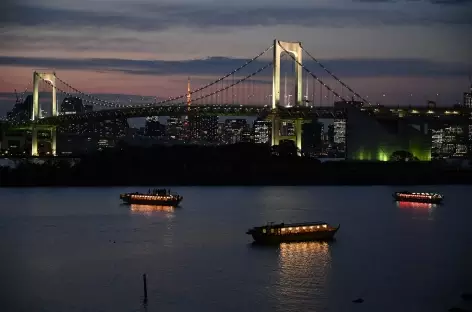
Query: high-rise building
x=233 y=130
x=153 y=127
x=247 y=135
x=287 y=128
x=312 y=136
x=453 y=140
x=204 y=128
x=175 y=128
x=340 y=134
x=71 y=105
x=262 y=131
x=468 y=98
x=330 y=135
x=90 y=135
x=22 y=110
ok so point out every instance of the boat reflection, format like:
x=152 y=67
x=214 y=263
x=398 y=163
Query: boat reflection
x=150 y=209
x=303 y=272
x=405 y=204
x=418 y=208
x=303 y=255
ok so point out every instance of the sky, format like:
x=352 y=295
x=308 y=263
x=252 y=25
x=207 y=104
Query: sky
x=410 y=50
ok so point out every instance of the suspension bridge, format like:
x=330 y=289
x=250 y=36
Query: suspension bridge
x=244 y=91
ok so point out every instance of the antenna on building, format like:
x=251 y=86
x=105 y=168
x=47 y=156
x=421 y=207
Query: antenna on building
x=470 y=81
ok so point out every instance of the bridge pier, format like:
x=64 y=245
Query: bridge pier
x=36 y=113
x=277 y=136
x=34 y=138
x=298 y=135
x=53 y=141
x=275 y=130
x=295 y=49
x=34 y=141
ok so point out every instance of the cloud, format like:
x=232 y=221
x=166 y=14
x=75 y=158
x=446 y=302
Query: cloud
x=161 y=17
x=219 y=66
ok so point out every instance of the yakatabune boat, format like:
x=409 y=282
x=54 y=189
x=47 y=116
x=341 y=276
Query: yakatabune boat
x=154 y=197
x=434 y=198
x=292 y=232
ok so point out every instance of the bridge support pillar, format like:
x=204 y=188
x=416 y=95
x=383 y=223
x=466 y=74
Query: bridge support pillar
x=51 y=78
x=277 y=137
x=34 y=141
x=36 y=113
x=294 y=48
x=298 y=135
x=53 y=141
x=275 y=130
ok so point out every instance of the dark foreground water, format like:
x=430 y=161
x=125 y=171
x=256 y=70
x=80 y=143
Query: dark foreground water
x=78 y=249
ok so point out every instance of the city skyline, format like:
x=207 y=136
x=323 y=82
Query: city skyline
x=143 y=48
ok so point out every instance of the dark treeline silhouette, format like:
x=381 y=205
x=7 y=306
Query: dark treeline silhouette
x=239 y=164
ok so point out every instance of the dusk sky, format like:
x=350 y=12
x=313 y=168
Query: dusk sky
x=143 y=47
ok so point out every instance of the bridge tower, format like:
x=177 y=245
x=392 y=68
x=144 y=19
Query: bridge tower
x=51 y=78
x=294 y=48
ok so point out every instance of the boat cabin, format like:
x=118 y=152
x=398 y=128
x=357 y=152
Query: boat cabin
x=293 y=228
x=418 y=195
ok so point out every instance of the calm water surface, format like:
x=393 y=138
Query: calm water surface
x=79 y=249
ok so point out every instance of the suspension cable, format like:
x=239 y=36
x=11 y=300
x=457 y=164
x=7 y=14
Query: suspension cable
x=173 y=98
x=308 y=71
x=334 y=76
x=196 y=99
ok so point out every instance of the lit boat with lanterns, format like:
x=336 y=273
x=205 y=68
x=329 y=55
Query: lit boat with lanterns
x=434 y=198
x=292 y=232
x=161 y=197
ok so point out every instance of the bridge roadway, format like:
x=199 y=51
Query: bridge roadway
x=303 y=112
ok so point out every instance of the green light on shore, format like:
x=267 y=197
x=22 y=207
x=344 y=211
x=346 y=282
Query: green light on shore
x=382 y=156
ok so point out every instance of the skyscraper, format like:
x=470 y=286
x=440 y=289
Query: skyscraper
x=233 y=130
x=204 y=128
x=153 y=127
x=312 y=137
x=468 y=98
x=175 y=128
x=262 y=131
x=71 y=105
x=22 y=110
x=340 y=133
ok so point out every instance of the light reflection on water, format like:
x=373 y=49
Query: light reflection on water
x=150 y=209
x=61 y=252
x=419 y=210
x=303 y=271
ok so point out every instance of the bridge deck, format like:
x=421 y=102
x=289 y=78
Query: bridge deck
x=260 y=111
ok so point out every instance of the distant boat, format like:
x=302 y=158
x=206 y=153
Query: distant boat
x=292 y=232
x=434 y=198
x=154 y=197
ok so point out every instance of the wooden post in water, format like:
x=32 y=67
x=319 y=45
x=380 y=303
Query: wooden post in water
x=145 y=288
